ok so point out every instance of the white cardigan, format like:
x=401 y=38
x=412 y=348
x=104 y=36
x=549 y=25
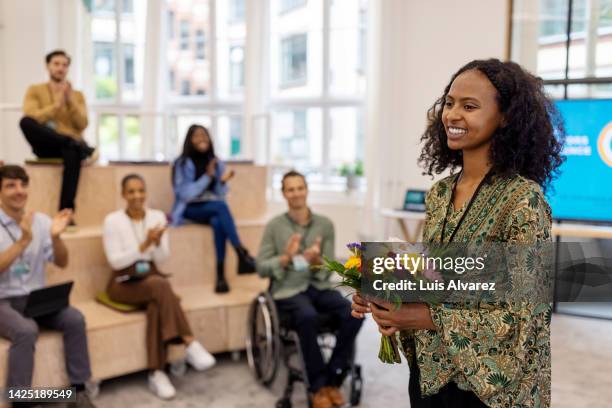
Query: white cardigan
x=122 y=243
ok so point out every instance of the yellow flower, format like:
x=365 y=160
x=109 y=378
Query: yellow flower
x=415 y=263
x=353 y=262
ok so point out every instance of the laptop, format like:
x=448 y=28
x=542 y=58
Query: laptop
x=414 y=200
x=48 y=300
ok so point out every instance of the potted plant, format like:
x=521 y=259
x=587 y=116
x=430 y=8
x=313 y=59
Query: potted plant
x=352 y=172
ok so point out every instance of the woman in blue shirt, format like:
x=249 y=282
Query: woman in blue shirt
x=199 y=179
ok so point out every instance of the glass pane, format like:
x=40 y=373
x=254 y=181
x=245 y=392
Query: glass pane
x=108 y=130
x=290 y=5
x=543 y=50
x=296 y=139
x=591 y=46
x=598 y=91
x=296 y=50
x=230 y=53
x=294 y=60
x=188 y=48
x=133 y=139
x=229 y=137
x=105 y=69
x=539 y=36
x=348 y=47
x=554 y=91
x=133 y=31
x=346 y=141
x=237 y=10
x=103 y=6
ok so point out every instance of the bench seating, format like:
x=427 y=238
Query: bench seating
x=117 y=340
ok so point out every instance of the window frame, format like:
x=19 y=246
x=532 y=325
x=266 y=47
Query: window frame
x=326 y=101
x=566 y=81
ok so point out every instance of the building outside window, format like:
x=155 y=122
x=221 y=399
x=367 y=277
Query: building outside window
x=289 y=5
x=294 y=59
x=200 y=45
x=540 y=42
x=185 y=35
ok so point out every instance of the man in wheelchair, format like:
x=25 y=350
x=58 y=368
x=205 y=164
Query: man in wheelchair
x=291 y=248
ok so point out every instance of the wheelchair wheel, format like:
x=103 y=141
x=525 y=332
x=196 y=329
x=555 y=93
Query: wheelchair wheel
x=263 y=341
x=356 y=386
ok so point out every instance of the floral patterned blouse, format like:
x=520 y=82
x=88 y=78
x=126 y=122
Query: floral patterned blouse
x=502 y=354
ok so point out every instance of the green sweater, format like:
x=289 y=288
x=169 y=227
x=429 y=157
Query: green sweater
x=287 y=282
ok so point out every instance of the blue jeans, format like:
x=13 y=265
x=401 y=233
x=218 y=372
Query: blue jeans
x=216 y=214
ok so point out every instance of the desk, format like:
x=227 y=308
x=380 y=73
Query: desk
x=402 y=217
x=582 y=230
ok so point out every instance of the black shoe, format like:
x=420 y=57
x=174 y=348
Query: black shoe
x=221 y=286
x=246 y=263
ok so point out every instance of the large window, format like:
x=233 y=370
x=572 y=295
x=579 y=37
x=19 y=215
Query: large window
x=317 y=86
x=206 y=62
x=566 y=42
x=309 y=104
x=118 y=34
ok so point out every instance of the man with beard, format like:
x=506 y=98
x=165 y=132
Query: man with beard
x=55 y=117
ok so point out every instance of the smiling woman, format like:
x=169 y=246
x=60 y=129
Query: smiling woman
x=496 y=124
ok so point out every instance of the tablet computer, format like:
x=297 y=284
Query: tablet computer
x=48 y=300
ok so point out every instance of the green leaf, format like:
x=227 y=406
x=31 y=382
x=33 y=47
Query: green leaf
x=508 y=319
x=498 y=380
x=459 y=341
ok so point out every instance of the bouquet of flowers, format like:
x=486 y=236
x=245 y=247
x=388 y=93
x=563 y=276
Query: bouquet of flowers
x=351 y=275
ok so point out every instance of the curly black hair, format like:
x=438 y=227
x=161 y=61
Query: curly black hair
x=530 y=142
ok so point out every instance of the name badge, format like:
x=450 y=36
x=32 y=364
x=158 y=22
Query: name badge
x=142 y=267
x=21 y=268
x=300 y=263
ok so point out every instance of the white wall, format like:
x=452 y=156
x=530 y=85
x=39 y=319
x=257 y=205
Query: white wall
x=417 y=46
x=29 y=29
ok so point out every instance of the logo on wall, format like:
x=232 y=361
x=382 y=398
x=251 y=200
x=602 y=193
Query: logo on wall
x=604 y=144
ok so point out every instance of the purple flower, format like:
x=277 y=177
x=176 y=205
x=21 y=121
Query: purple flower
x=354 y=245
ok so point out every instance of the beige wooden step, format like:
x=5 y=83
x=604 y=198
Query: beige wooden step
x=100 y=192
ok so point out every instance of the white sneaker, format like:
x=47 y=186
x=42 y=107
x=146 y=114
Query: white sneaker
x=160 y=385
x=198 y=357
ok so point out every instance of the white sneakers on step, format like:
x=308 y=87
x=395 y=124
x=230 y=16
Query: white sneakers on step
x=160 y=385
x=198 y=357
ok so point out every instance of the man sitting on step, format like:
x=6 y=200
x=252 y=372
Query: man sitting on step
x=292 y=244
x=55 y=117
x=27 y=242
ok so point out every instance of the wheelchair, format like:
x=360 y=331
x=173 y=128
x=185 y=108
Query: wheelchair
x=271 y=339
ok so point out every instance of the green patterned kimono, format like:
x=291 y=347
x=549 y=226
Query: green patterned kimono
x=502 y=354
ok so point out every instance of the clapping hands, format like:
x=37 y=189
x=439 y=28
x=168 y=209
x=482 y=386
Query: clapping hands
x=60 y=222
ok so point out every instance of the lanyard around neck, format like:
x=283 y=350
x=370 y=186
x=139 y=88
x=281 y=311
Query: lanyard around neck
x=10 y=234
x=472 y=199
